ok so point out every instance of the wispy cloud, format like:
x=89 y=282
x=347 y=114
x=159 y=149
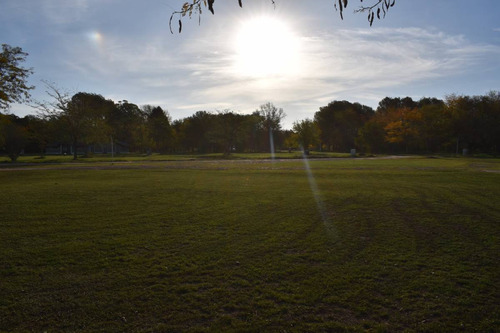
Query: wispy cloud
x=389 y=57
x=347 y=63
x=361 y=65
x=123 y=50
x=58 y=12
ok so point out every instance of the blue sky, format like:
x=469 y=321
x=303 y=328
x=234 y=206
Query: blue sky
x=299 y=56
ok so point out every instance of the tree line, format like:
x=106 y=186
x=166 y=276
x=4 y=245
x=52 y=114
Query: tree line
x=402 y=125
x=398 y=125
x=80 y=122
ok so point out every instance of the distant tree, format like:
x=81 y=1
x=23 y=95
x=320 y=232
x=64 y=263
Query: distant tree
x=291 y=140
x=177 y=135
x=402 y=128
x=194 y=132
x=228 y=130
x=271 y=118
x=404 y=125
x=371 y=136
x=475 y=121
x=130 y=126
x=425 y=101
x=83 y=116
x=375 y=8
x=91 y=112
x=13 y=136
x=433 y=126
x=13 y=77
x=57 y=111
x=40 y=133
x=307 y=134
x=339 y=123
x=224 y=131
x=491 y=121
x=389 y=103
x=2 y=132
x=255 y=140
x=159 y=127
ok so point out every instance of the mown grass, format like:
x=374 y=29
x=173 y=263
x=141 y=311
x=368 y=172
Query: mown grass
x=165 y=157
x=361 y=245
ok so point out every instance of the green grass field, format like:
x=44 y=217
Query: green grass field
x=408 y=244
x=161 y=157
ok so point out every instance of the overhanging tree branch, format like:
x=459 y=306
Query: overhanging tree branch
x=196 y=7
x=380 y=6
x=188 y=8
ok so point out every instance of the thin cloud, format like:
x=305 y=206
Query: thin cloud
x=198 y=74
x=347 y=63
x=57 y=12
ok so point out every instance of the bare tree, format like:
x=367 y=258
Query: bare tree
x=83 y=116
x=271 y=121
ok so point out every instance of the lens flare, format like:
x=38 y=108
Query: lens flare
x=271 y=144
x=96 y=37
x=327 y=222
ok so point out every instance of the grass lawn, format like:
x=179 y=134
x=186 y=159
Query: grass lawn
x=240 y=245
x=49 y=159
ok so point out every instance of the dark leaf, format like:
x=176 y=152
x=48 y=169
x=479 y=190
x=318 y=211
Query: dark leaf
x=393 y=3
x=378 y=13
x=371 y=19
x=345 y=3
x=180 y=26
x=170 y=23
x=211 y=6
x=239 y=2
x=341 y=8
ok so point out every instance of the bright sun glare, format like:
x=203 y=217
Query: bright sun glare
x=266 y=47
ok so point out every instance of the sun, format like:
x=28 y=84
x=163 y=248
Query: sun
x=266 y=46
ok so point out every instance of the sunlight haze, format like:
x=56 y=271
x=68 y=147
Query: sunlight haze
x=266 y=47
x=299 y=55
